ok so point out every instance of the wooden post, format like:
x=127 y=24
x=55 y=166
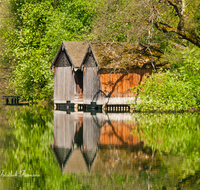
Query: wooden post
x=7 y=101
x=15 y=100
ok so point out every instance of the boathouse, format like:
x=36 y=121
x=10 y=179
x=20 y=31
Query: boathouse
x=102 y=73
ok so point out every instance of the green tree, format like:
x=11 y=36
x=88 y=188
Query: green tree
x=178 y=89
x=39 y=28
x=149 y=21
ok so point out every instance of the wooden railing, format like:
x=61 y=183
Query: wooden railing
x=11 y=100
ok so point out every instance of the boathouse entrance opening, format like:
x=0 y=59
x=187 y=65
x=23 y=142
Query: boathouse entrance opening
x=78 y=75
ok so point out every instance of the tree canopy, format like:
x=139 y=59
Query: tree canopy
x=37 y=29
x=31 y=32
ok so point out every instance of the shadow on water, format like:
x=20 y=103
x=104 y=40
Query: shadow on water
x=57 y=149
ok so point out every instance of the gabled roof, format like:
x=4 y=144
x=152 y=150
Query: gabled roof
x=126 y=55
x=116 y=55
x=89 y=156
x=75 y=50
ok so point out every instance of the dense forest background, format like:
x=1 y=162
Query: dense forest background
x=32 y=30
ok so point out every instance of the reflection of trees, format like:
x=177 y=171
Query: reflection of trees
x=176 y=135
x=32 y=128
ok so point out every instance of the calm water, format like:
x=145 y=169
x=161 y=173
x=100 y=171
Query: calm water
x=42 y=148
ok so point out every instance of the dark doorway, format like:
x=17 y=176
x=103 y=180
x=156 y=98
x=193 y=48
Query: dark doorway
x=78 y=75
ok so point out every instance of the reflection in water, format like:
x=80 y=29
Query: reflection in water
x=97 y=143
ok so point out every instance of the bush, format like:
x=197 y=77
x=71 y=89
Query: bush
x=177 y=89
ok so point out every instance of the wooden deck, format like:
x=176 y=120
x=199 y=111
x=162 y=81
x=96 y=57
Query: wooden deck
x=93 y=107
x=11 y=100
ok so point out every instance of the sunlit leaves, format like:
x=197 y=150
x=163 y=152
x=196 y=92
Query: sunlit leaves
x=39 y=28
x=177 y=89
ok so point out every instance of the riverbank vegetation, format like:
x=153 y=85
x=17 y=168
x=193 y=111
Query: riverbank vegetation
x=31 y=32
x=177 y=89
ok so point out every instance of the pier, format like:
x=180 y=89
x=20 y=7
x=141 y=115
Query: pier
x=11 y=100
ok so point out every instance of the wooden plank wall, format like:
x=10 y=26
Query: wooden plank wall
x=118 y=84
x=63 y=85
x=91 y=85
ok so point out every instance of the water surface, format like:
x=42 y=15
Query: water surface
x=42 y=148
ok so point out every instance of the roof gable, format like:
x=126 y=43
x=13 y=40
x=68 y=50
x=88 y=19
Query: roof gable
x=61 y=155
x=89 y=156
x=76 y=51
x=62 y=60
x=89 y=60
x=109 y=55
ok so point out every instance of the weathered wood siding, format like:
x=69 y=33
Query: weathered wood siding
x=91 y=85
x=116 y=85
x=64 y=129
x=63 y=85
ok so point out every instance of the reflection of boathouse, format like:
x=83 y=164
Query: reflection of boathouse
x=101 y=72
x=83 y=142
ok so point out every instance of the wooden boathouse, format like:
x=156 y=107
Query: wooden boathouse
x=101 y=73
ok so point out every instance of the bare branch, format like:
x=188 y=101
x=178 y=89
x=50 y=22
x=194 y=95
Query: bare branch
x=193 y=38
x=179 y=12
x=175 y=7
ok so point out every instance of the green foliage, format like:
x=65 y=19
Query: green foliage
x=177 y=89
x=39 y=27
x=117 y=21
x=175 y=135
x=197 y=21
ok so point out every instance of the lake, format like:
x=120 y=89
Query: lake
x=43 y=148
